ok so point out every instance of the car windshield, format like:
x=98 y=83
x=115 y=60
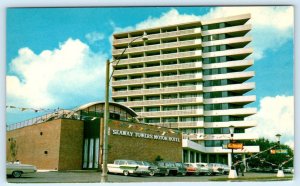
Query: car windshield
x=131 y=162
x=139 y=163
x=146 y=163
x=178 y=164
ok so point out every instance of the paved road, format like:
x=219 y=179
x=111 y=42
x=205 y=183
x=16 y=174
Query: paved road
x=94 y=177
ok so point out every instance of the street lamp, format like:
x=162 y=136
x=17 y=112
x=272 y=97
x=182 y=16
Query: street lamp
x=108 y=77
x=232 y=172
x=278 y=138
x=280 y=171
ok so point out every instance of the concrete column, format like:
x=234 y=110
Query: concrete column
x=244 y=161
x=229 y=159
x=199 y=157
x=189 y=156
x=195 y=157
x=207 y=158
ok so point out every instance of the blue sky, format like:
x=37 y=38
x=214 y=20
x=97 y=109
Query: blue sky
x=55 y=56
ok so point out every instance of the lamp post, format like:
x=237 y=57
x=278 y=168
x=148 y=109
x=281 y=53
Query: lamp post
x=280 y=173
x=104 y=177
x=232 y=172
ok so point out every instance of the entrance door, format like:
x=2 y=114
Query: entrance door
x=90 y=153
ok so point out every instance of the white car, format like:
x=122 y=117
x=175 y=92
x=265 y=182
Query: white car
x=215 y=168
x=16 y=169
x=127 y=167
x=203 y=167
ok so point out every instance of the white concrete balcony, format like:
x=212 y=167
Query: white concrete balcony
x=157 y=79
x=239 y=124
x=233 y=29
x=243 y=87
x=190 y=124
x=157 y=47
x=163 y=102
x=158 y=36
x=236 y=136
x=239 y=64
x=193 y=88
x=233 y=75
x=236 y=18
x=195 y=112
x=231 y=112
x=228 y=41
x=160 y=57
x=241 y=100
x=191 y=65
x=232 y=52
x=188 y=144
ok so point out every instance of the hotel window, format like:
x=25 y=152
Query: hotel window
x=216 y=118
x=216 y=143
x=137 y=109
x=152 y=120
x=170 y=96
x=119 y=89
x=121 y=78
x=120 y=100
x=152 y=97
x=152 y=109
x=165 y=108
x=189 y=119
x=136 y=98
x=173 y=119
x=153 y=86
x=190 y=107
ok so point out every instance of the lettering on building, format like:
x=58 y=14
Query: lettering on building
x=144 y=135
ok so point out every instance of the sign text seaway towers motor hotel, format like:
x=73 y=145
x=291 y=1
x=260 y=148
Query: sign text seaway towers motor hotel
x=192 y=77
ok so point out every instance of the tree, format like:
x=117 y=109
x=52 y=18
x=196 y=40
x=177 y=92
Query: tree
x=13 y=147
x=266 y=159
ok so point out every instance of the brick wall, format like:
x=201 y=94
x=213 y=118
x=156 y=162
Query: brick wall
x=127 y=147
x=37 y=144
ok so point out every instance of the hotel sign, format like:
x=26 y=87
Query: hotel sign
x=235 y=146
x=144 y=135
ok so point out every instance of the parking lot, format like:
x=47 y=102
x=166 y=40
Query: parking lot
x=94 y=177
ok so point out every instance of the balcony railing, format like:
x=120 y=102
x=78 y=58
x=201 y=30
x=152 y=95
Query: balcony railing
x=157 y=79
x=158 y=68
x=159 y=36
x=171 y=113
x=157 y=91
x=163 y=102
x=158 y=46
x=160 y=57
x=189 y=124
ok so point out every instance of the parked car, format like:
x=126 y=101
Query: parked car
x=288 y=170
x=127 y=167
x=192 y=169
x=225 y=168
x=16 y=169
x=182 y=169
x=162 y=167
x=215 y=168
x=171 y=166
x=203 y=167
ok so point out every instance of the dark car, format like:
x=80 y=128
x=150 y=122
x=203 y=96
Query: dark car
x=170 y=166
x=182 y=169
x=163 y=169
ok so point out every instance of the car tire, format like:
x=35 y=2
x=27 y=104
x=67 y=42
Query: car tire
x=151 y=173
x=17 y=174
x=125 y=172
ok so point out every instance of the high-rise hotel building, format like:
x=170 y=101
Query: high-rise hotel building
x=193 y=77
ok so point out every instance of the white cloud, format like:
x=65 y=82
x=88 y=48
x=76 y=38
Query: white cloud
x=276 y=115
x=52 y=78
x=272 y=25
x=94 y=37
x=291 y=144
